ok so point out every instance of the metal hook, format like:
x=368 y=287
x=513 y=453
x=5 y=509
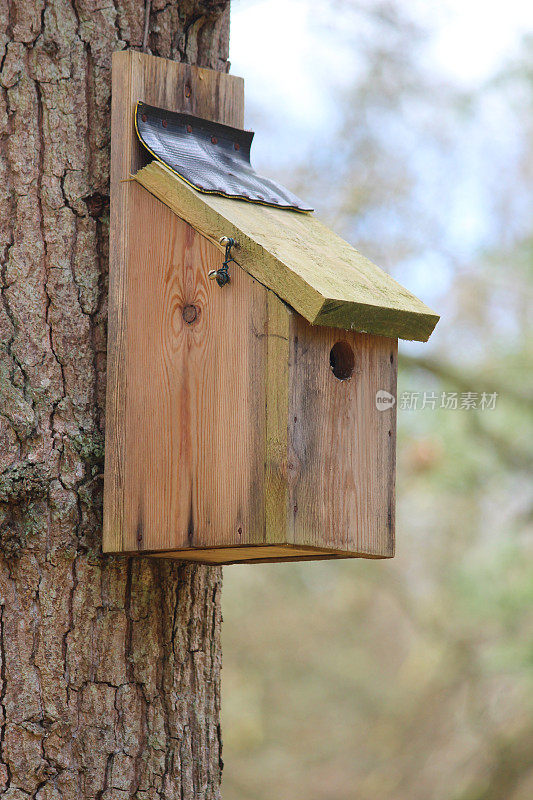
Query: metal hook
x=221 y=275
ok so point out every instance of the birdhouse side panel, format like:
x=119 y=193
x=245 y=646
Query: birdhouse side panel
x=342 y=437
x=195 y=422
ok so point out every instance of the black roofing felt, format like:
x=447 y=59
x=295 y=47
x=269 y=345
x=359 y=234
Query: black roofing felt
x=211 y=157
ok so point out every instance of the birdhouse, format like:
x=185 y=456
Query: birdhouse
x=252 y=352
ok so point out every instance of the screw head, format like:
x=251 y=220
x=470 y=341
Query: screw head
x=227 y=240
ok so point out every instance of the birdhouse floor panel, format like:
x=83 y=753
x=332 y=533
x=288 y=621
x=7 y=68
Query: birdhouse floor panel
x=258 y=555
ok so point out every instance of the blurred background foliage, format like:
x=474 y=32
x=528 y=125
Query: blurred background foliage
x=411 y=679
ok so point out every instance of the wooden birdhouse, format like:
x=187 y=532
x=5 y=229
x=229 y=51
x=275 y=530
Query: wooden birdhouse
x=250 y=417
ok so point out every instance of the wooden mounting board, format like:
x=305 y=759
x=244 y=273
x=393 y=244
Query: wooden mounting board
x=180 y=87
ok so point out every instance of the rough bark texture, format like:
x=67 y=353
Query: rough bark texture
x=109 y=667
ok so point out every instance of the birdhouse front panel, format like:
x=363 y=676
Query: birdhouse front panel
x=342 y=446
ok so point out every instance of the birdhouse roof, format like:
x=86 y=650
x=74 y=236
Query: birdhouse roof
x=317 y=273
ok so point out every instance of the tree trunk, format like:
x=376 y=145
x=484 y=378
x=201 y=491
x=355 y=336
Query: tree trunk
x=109 y=667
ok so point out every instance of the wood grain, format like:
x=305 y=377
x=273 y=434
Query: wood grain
x=258 y=554
x=229 y=439
x=178 y=87
x=341 y=447
x=280 y=318
x=316 y=272
x=196 y=397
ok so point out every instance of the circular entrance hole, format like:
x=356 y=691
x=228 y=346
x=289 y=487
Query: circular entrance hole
x=342 y=360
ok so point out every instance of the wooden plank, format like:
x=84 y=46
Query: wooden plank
x=341 y=447
x=259 y=554
x=195 y=419
x=277 y=414
x=178 y=87
x=320 y=275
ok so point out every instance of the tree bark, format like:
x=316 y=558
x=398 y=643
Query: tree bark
x=109 y=666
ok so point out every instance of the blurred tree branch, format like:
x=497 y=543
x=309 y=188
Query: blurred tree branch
x=509 y=765
x=449 y=374
x=509 y=453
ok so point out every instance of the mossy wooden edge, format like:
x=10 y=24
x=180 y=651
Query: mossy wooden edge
x=312 y=269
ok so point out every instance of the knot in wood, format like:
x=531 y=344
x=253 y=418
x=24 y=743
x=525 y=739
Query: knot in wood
x=189 y=313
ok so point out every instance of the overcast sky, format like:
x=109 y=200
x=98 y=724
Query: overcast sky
x=296 y=60
x=291 y=61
